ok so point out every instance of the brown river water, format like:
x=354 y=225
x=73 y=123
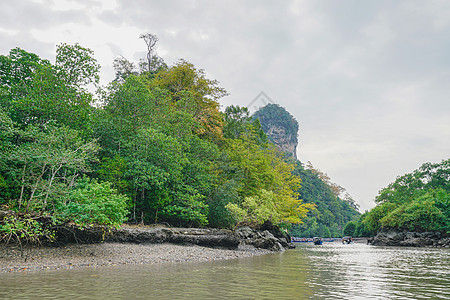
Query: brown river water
x=328 y=271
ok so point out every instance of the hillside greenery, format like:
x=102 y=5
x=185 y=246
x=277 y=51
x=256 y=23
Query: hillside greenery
x=151 y=147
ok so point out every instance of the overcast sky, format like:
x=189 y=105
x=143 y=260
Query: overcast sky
x=368 y=81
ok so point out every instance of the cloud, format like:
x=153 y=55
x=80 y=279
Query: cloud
x=25 y=15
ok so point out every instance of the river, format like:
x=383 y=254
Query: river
x=329 y=271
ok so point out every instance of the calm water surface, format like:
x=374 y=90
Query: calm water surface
x=330 y=271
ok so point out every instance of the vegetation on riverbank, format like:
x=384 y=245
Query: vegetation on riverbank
x=415 y=202
x=151 y=147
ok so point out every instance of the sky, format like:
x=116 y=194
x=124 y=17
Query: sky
x=368 y=81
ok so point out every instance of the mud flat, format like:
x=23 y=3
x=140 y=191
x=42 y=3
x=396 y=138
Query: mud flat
x=102 y=254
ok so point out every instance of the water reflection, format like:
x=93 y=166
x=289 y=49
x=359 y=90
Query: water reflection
x=332 y=270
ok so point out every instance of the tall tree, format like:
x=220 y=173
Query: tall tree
x=150 y=41
x=191 y=91
x=38 y=92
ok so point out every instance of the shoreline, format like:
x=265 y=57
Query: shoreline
x=112 y=253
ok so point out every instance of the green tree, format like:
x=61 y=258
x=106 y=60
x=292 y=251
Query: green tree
x=350 y=228
x=49 y=161
x=77 y=66
x=123 y=69
x=331 y=211
x=239 y=123
x=8 y=182
x=36 y=92
x=415 y=201
x=184 y=81
x=430 y=212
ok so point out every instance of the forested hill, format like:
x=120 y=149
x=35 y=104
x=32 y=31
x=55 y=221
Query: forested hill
x=150 y=147
x=333 y=210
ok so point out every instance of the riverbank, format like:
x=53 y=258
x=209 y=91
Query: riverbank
x=110 y=253
x=98 y=246
x=396 y=237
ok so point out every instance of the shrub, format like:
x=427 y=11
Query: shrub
x=94 y=203
x=23 y=231
x=422 y=214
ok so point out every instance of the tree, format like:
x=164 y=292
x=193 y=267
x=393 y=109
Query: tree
x=192 y=92
x=77 y=66
x=263 y=169
x=416 y=201
x=123 y=68
x=350 y=228
x=409 y=186
x=91 y=202
x=49 y=161
x=150 y=41
x=37 y=92
x=331 y=211
x=238 y=122
x=8 y=183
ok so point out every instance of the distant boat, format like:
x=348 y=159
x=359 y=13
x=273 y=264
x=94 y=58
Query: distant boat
x=317 y=241
x=347 y=240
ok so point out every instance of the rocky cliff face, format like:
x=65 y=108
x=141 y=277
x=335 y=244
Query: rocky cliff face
x=280 y=127
x=283 y=140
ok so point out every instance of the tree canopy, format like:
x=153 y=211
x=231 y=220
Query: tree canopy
x=154 y=148
x=417 y=201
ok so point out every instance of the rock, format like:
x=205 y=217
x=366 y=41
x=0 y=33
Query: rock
x=284 y=141
x=244 y=232
x=96 y=234
x=280 y=127
x=242 y=237
x=262 y=239
x=396 y=237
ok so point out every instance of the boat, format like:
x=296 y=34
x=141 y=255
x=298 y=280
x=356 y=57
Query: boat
x=347 y=240
x=317 y=241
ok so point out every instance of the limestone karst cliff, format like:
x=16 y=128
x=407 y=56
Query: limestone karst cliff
x=280 y=126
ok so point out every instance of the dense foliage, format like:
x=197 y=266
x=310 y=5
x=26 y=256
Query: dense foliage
x=417 y=201
x=332 y=212
x=152 y=147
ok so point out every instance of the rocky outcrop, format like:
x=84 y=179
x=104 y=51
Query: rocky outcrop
x=261 y=239
x=196 y=236
x=283 y=140
x=395 y=237
x=243 y=238
x=268 y=237
x=280 y=127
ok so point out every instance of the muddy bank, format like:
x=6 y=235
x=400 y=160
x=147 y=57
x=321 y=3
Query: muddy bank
x=395 y=237
x=103 y=254
x=98 y=246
